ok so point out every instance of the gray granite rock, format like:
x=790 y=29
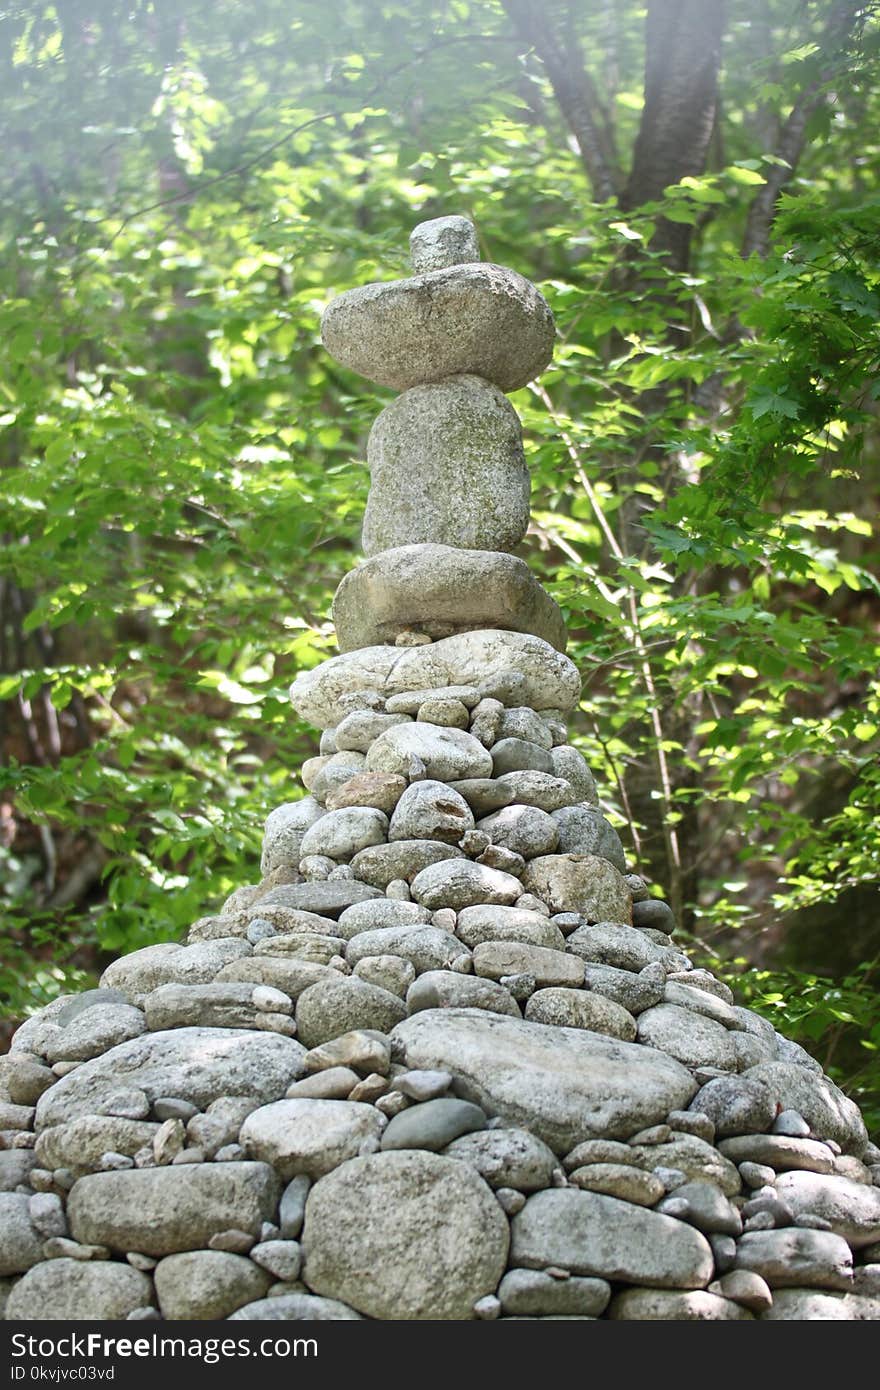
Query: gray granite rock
x=362 y=727
x=440 y=590
x=584 y=830
x=494 y=960
x=549 y=679
x=580 y=883
x=851 y=1208
x=704 y=1205
x=327 y=899
x=381 y=865
x=459 y=883
x=564 y=1084
x=736 y=1105
x=484 y=319
x=655 y=914
x=507 y=1158
x=95 y=1031
x=519 y=755
x=614 y=944
x=380 y=789
x=196 y=1064
x=690 y=1037
x=446 y=989
x=285 y=827
x=541 y=789
x=21 y=1243
x=335 y=1006
x=634 y=991
x=441 y=242
x=431 y=810
x=533 y=1293
x=823 y=1105
x=795 y=1258
x=428 y=948
x=579 y=1008
x=662 y=1305
x=447 y=754
x=622 y=1180
x=341 y=834
x=570 y=764
x=135 y=975
x=780 y=1152
x=198 y=1285
x=160 y=1211
x=407 y=1235
x=308 y=1136
x=433 y=1124
x=297 y=1307
x=70 y=1290
x=527 y=830
x=487 y=923
x=79 y=1144
x=589 y=1233
x=813 y=1305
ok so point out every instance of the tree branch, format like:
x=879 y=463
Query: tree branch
x=792 y=136
x=575 y=92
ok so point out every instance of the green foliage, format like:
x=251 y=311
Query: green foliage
x=182 y=471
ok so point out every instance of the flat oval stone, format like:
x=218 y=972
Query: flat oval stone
x=480 y=319
x=308 y=1136
x=446 y=989
x=852 y=1208
x=689 y=1037
x=578 y=1008
x=446 y=753
x=664 y=1305
x=564 y=1084
x=159 y=1211
x=433 y=1124
x=67 y=1290
x=496 y=959
x=328 y=897
x=460 y=883
x=194 y=1064
x=485 y=923
x=589 y=1233
x=401 y=859
x=341 y=834
x=428 y=948
x=584 y=830
x=198 y=1285
x=407 y=1235
x=483 y=794
x=548 y=680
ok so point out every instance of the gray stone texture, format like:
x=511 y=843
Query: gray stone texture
x=478 y=319
x=447 y=467
x=441 y=590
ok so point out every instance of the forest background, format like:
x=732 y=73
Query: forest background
x=694 y=186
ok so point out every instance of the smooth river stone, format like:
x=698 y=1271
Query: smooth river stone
x=563 y=1084
x=308 y=1136
x=404 y=1236
x=442 y=241
x=448 y=754
x=194 y=1064
x=580 y=883
x=159 y=1211
x=440 y=590
x=829 y=1113
x=459 y=883
x=478 y=319
x=447 y=465
x=68 y=1290
x=550 y=680
x=590 y=1233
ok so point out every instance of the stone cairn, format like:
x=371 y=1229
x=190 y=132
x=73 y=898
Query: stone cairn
x=443 y=1061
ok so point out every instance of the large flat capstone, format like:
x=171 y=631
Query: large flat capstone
x=194 y=1064
x=440 y=590
x=564 y=1084
x=550 y=680
x=479 y=319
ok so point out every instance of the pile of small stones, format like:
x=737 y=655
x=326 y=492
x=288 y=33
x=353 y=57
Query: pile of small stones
x=444 y=1059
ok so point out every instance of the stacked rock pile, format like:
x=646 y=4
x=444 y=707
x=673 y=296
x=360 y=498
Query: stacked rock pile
x=444 y=1059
